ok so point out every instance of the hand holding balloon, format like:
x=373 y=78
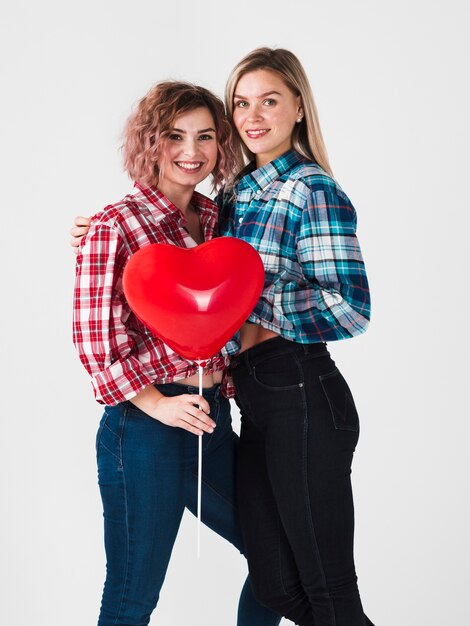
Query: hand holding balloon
x=178 y=411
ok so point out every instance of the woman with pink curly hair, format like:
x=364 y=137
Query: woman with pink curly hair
x=147 y=457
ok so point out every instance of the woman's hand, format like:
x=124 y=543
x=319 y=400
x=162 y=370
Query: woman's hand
x=183 y=412
x=82 y=226
x=178 y=411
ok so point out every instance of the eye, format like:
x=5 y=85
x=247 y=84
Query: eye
x=174 y=137
x=205 y=137
x=241 y=104
x=270 y=102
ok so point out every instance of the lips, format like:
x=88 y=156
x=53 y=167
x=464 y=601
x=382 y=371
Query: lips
x=257 y=133
x=189 y=166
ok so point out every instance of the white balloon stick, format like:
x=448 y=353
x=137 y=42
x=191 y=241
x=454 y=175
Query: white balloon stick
x=199 y=475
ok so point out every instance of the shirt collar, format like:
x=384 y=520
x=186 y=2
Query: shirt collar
x=261 y=178
x=158 y=201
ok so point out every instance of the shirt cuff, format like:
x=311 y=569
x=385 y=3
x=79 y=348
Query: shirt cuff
x=119 y=382
x=232 y=347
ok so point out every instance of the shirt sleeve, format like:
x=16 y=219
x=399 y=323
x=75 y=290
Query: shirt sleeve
x=331 y=261
x=232 y=346
x=105 y=347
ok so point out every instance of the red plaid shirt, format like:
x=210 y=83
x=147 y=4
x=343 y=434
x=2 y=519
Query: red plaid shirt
x=121 y=355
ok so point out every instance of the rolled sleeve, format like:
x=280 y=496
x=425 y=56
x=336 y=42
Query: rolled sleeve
x=331 y=260
x=106 y=349
x=232 y=347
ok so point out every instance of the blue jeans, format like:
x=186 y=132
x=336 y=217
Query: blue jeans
x=147 y=474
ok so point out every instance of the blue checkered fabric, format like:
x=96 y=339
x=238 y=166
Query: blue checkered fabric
x=304 y=227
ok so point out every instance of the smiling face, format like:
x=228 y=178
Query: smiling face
x=189 y=152
x=265 y=112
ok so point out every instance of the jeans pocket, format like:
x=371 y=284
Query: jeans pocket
x=342 y=407
x=279 y=373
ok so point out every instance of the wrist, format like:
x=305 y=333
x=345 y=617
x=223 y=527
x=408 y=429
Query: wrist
x=147 y=400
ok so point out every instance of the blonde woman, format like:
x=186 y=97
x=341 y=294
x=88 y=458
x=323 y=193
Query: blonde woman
x=299 y=422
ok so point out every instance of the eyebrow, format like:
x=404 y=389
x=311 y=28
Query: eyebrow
x=263 y=95
x=204 y=130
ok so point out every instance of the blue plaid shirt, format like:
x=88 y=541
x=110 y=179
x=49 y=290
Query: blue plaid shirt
x=304 y=227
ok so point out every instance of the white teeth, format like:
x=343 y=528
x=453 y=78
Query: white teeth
x=256 y=133
x=188 y=166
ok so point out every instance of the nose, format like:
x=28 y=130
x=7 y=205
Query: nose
x=254 y=114
x=189 y=147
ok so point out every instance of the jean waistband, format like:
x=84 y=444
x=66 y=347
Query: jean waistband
x=176 y=388
x=276 y=347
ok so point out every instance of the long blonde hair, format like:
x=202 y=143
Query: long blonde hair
x=307 y=137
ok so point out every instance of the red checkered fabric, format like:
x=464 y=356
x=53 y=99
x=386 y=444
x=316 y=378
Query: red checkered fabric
x=121 y=355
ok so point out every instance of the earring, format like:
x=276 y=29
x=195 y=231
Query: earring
x=298 y=120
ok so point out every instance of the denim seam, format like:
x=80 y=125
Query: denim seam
x=285 y=351
x=215 y=490
x=119 y=458
x=288 y=593
x=269 y=387
x=301 y=385
x=329 y=375
x=308 y=357
x=307 y=498
x=302 y=356
x=126 y=578
x=336 y=424
x=243 y=401
x=110 y=452
x=215 y=419
x=100 y=431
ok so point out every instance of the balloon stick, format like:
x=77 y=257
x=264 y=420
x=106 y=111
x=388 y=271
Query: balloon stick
x=199 y=475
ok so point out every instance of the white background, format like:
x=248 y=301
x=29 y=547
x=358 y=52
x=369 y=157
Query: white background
x=391 y=86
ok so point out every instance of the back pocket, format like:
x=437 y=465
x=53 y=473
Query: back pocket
x=342 y=407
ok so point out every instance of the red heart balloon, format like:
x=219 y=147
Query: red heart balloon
x=194 y=299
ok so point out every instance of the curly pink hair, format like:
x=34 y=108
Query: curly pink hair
x=154 y=116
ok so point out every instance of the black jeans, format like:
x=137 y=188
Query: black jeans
x=299 y=430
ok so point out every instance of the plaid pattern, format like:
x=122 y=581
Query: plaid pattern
x=121 y=355
x=303 y=226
